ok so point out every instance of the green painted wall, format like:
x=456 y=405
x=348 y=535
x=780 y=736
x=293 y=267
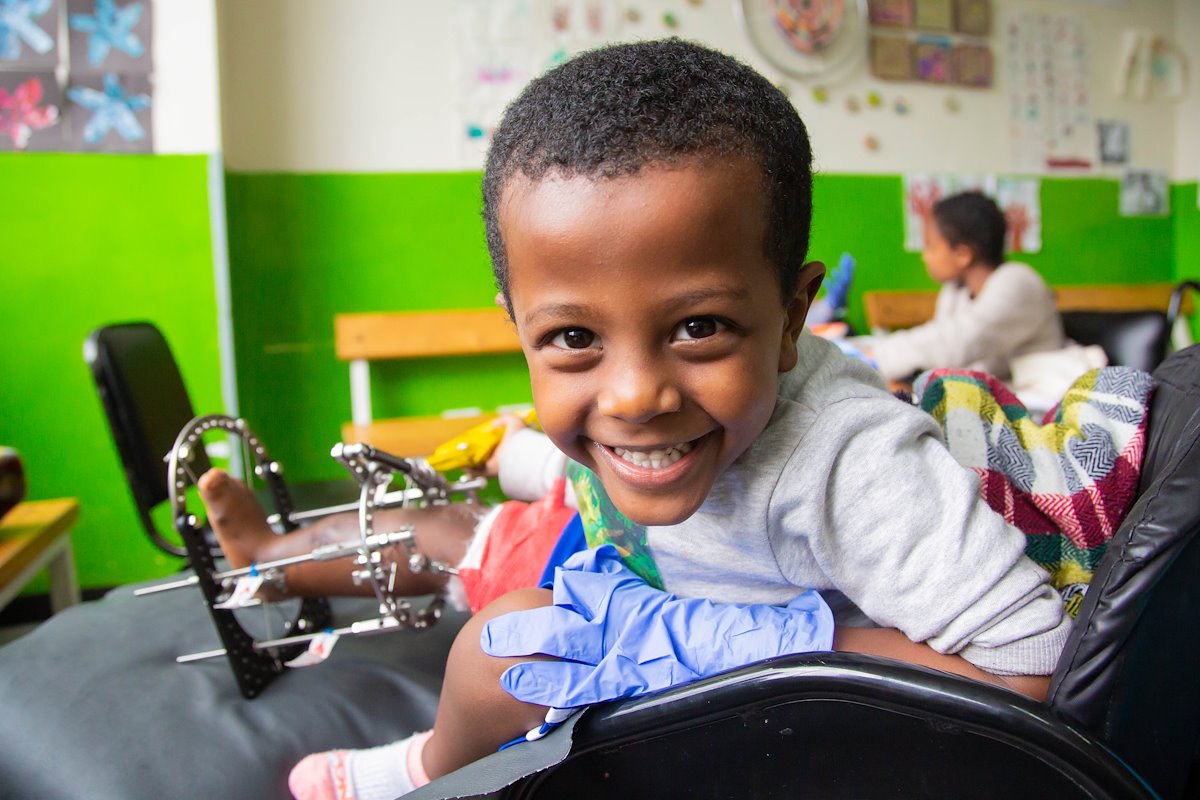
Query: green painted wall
x=91 y=240
x=99 y=239
x=304 y=247
x=1186 y=217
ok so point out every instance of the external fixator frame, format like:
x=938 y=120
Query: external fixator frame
x=256 y=662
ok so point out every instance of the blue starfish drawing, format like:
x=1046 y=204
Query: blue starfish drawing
x=113 y=110
x=111 y=27
x=17 y=25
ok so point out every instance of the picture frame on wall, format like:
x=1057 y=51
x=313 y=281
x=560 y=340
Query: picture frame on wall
x=973 y=66
x=934 y=15
x=891 y=58
x=973 y=17
x=890 y=13
x=933 y=59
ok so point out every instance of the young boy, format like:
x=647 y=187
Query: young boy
x=989 y=310
x=647 y=210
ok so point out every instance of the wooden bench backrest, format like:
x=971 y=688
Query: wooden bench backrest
x=421 y=334
x=894 y=310
x=362 y=338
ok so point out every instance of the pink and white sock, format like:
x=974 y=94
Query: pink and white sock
x=378 y=773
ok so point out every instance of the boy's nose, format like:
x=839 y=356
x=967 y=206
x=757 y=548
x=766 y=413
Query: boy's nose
x=638 y=395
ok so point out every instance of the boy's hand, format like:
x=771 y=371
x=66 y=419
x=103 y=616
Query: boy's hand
x=621 y=638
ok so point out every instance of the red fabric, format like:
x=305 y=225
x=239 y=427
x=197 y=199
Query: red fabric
x=518 y=544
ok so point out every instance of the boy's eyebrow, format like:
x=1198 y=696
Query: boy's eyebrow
x=735 y=293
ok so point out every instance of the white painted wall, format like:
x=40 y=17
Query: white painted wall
x=1187 y=123
x=186 y=118
x=371 y=86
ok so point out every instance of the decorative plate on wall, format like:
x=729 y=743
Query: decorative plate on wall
x=807 y=39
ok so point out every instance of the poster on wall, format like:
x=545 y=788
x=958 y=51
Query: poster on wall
x=109 y=36
x=1021 y=201
x=109 y=113
x=1144 y=193
x=1018 y=198
x=1113 y=138
x=922 y=190
x=29 y=34
x=29 y=111
x=503 y=44
x=1050 y=120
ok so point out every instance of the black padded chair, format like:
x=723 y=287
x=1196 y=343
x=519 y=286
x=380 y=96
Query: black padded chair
x=1138 y=339
x=147 y=404
x=1122 y=719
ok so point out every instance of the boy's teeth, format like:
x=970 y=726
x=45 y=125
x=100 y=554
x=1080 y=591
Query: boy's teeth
x=655 y=459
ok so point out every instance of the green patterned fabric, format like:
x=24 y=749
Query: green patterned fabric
x=604 y=524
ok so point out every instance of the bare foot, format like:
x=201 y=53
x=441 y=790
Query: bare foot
x=236 y=517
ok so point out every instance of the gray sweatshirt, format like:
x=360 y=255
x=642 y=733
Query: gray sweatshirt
x=852 y=492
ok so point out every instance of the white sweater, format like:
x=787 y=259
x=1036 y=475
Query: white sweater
x=1014 y=314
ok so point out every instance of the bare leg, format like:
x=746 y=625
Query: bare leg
x=475 y=716
x=442 y=533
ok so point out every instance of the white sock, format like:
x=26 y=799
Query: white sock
x=377 y=773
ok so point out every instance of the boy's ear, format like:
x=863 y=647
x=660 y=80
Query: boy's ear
x=807 y=284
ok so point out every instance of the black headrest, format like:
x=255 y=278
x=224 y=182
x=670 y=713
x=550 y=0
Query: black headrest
x=1129 y=338
x=145 y=400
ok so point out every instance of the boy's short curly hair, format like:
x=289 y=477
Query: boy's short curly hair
x=972 y=218
x=611 y=111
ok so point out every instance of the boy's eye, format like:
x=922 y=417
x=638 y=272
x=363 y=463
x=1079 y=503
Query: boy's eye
x=574 y=339
x=698 y=328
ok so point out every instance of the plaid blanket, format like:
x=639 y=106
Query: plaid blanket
x=1067 y=482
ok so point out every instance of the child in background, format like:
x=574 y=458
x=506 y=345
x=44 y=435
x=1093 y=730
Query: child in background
x=648 y=208
x=989 y=310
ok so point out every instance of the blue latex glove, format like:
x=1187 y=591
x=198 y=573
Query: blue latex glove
x=621 y=638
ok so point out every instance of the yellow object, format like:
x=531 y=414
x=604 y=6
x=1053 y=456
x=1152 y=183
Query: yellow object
x=473 y=448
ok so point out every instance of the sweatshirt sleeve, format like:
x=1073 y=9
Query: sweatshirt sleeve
x=897 y=525
x=1010 y=309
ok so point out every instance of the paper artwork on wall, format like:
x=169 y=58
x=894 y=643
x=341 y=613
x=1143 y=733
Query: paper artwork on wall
x=1050 y=121
x=110 y=113
x=29 y=111
x=934 y=15
x=1113 y=137
x=29 y=34
x=932 y=59
x=891 y=13
x=1144 y=194
x=923 y=190
x=891 y=58
x=503 y=44
x=109 y=36
x=973 y=65
x=1020 y=200
x=973 y=17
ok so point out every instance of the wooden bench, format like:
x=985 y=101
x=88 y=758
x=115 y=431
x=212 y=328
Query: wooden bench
x=890 y=310
x=363 y=338
x=37 y=534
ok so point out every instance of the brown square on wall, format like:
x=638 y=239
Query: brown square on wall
x=891 y=13
x=973 y=65
x=891 y=58
x=973 y=17
x=934 y=15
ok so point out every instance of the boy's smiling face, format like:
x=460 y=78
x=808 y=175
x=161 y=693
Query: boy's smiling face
x=652 y=323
